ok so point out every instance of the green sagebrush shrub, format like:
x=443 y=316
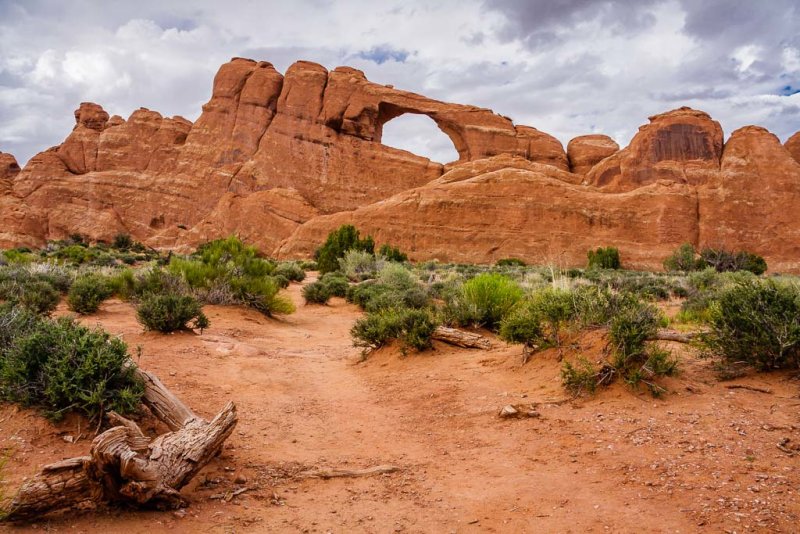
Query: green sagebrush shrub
x=59 y=366
x=539 y=319
x=483 y=301
x=684 y=259
x=38 y=291
x=604 y=258
x=727 y=261
x=339 y=241
x=316 y=293
x=292 y=271
x=87 y=292
x=511 y=262
x=390 y=253
x=634 y=359
x=170 y=312
x=756 y=322
x=413 y=328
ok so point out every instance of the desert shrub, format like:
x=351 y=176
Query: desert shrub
x=511 y=262
x=16 y=256
x=604 y=258
x=390 y=253
x=684 y=259
x=197 y=274
x=645 y=285
x=556 y=308
x=157 y=281
x=756 y=322
x=291 y=270
x=413 y=328
x=337 y=244
x=396 y=276
x=281 y=281
x=358 y=265
x=262 y=295
x=316 y=293
x=122 y=241
x=309 y=265
x=77 y=254
x=232 y=255
x=580 y=377
x=485 y=300
x=87 y=292
x=32 y=291
x=336 y=283
x=524 y=325
x=60 y=366
x=634 y=359
x=170 y=312
x=361 y=294
x=725 y=261
x=122 y=283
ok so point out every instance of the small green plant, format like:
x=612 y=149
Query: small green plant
x=87 y=292
x=524 y=325
x=413 y=328
x=358 y=265
x=339 y=241
x=316 y=293
x=756 y=322
x=390 y=253
x=684 y=259
x=511 y=262
x=725 y=261
x=336 y=283
x=580 y=377
x=170 y=312
x=62 y=366
x=487 y=299
x=262 y=294
x=291 y=270
x=122 y=242
x=38 y=296
x=556 y=308
x=633 y=358
x=604 y=258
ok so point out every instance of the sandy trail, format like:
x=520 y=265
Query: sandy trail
x=703 y=458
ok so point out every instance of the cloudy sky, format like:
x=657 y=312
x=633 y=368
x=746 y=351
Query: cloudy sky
x=568 y=67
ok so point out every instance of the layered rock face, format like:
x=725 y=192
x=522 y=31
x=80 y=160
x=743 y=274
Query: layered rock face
x=282 y=159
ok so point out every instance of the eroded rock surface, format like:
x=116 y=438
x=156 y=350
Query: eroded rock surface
x=281 y=159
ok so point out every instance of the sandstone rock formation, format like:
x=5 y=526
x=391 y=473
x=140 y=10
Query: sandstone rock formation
x=586 y=151
x=683 y=145
x=281 y=159
x=793 y=146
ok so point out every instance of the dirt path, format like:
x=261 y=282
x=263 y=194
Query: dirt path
x=703 y=458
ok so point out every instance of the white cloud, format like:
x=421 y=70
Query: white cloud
x=566 y=68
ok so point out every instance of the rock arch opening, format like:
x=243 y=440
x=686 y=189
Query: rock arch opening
x=419 y=134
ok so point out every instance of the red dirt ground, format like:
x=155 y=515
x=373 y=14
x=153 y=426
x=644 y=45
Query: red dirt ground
x=704 y=458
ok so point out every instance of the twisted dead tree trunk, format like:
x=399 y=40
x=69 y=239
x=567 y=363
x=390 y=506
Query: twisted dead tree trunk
x=126 y=466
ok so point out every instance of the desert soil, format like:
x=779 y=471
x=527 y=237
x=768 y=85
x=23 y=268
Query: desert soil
x=703 y=458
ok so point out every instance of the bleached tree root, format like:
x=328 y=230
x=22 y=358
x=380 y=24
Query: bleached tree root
x=344 y=473
x=125 y=466
x=461 y=338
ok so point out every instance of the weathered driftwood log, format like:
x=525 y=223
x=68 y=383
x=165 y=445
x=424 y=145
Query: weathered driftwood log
x=672 y=335
x=125 y=466
x=461 y=338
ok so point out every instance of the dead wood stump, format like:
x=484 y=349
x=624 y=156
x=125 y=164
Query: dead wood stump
x=461 y=338
x=125 y=466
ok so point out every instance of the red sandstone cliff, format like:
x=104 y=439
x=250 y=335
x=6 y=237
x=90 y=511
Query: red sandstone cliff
x=282 y=159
